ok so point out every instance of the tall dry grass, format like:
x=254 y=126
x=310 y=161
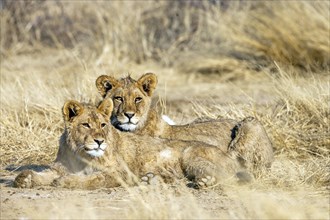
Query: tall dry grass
x=238 y=35
x=294 y=33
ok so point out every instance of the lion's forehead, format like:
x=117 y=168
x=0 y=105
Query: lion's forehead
x=91 y=116
x=129 y=93
x=127 y=81
x=95 y=117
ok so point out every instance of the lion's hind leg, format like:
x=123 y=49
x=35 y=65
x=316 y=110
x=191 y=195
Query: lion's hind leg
x=201 y=172
x=199 y=166
x=252 y=144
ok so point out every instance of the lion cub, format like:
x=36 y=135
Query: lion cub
x=133 y=113
x=94 y=154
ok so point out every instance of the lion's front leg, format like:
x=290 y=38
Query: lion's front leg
x=30 y=178
x=80 y=181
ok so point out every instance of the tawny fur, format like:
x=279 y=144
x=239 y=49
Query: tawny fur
x=246 y=138
x=127 y=158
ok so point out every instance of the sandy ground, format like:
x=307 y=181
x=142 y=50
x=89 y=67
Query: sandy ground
x=234 y=202
x=50 y=202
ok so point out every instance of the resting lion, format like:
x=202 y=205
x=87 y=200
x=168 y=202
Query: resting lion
x=133 y=113
x=94 y=154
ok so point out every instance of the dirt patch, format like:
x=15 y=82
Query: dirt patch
x=163 y=201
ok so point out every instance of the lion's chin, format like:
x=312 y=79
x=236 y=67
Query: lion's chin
x=127 y=127
x=95 y=153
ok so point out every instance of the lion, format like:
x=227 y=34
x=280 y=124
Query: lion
x=133 y=113
x=93 y=154
x=82 y=148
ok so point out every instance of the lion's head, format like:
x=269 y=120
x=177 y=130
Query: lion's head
x=131 y=99
x=87 y=127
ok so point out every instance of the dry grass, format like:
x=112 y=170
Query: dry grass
x=291 y=33
x=175 y=33
x=52 y=51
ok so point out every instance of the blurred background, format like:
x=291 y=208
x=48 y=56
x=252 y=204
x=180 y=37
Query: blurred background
x=207 y=37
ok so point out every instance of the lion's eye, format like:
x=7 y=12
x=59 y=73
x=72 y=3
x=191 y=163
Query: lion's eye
x=103 y=125
x=86 y=125
x=119 y=99
x=138 y=99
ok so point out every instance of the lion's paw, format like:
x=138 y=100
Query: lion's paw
x=149 y=179
x=206 y=181
x=57 y=182
x=24 y=179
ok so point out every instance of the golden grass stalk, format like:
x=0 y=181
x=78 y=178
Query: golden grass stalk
x=291 y=33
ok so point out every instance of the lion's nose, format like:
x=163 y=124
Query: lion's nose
x=99 y=141
x=129 y=115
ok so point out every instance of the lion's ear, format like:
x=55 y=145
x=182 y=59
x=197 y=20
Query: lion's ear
x=106 y=107
x=72 y=109
x=106 y=83
x=148 y=83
